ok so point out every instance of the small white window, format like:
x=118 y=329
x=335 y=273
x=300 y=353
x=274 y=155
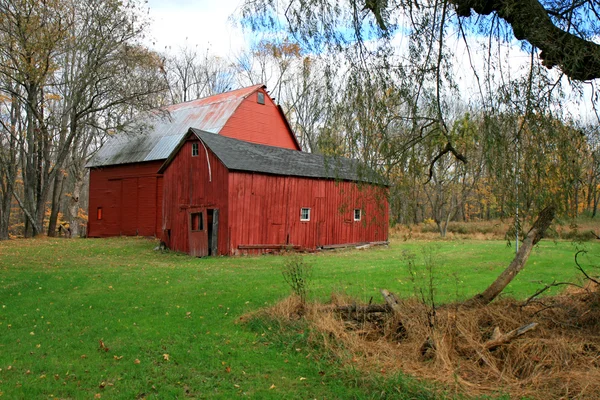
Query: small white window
x=194 y=149
x=305 y=214
x=357 y=214
x=261 y=98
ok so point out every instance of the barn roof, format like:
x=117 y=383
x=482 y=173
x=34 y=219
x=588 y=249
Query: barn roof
x=238 y=155
x=159 y=132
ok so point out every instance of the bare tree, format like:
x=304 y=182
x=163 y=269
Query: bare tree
x=68 y=63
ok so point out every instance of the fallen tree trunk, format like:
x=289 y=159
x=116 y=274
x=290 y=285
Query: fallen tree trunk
x=391 y=300
x=498 y=339
x=535 y=234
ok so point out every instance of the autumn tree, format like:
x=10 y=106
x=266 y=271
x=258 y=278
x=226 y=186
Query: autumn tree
x=69 y=69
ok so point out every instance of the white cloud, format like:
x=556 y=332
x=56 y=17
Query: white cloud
x=195 y=23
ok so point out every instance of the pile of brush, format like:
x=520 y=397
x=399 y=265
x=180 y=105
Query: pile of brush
x=546 y=348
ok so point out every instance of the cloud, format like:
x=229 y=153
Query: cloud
x=200 y=23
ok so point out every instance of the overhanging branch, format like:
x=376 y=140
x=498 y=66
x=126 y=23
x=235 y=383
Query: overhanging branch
x=578 y=58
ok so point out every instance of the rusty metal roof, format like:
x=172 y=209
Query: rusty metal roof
x=157 y=134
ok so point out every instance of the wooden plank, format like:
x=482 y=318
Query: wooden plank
x=268 y=246
x=215 y=233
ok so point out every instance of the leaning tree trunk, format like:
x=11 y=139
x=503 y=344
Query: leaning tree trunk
x=535 y=234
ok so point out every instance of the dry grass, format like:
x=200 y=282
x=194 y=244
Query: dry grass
x=583 y=229
x=560 y=359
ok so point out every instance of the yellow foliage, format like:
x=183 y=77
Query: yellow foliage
x=82 y=215
x=53 y=96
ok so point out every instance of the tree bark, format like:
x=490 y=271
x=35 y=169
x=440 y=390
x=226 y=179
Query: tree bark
x=535 y=234
x=74 y=206
x=55 y=207
x=578 y=58
x=498 y=339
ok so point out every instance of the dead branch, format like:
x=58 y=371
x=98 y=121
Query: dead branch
x=580 y=268
x=391 y=300
x=448 y=149
x=542 y=290
x=354 y=308
x=498 y=339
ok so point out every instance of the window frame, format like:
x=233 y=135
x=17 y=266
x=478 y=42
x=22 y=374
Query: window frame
x=195 y=149
x=200 y=220
x=359 y=214
x=260 y=98
x=302 y=209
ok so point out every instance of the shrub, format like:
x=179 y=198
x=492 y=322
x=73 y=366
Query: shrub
x=297 y=274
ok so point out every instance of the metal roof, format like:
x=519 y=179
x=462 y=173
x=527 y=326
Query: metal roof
x=155 y=136
x=238 y=155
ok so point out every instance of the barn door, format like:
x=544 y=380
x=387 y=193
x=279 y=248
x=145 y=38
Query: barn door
x=198 y=233
x=212 y=219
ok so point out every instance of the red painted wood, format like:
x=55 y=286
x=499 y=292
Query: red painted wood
x=189 y=183
x=260 y=123
x=332 y=207
x=258 y=209
x=130 y=197
x=198 y=232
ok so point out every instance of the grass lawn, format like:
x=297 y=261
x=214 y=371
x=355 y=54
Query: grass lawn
x=169 y=321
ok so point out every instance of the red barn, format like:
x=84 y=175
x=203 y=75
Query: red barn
x=126 y=190
x=226 y=196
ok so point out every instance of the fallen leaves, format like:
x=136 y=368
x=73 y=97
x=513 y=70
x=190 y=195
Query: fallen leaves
x=166 y=357
x=103 y=346
x=137 y=361
x=272 y=387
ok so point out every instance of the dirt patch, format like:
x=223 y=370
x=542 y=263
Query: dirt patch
x=558 y=359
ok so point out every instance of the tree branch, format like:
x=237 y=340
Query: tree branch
x=578 y=58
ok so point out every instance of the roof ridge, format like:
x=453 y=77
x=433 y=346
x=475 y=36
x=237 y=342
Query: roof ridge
x=254 y=87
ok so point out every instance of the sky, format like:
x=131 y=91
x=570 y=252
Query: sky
x=208 y=26
x=191 y=23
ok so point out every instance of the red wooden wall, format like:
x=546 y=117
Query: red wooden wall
x=130 y=197
x=257 y=209
x=265 y=209
x=188 y=185
x=260 y=123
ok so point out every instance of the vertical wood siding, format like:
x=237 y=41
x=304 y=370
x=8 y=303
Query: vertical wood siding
x=259 y=123
x=188 y=186
x=130 y=197
x=265 y=210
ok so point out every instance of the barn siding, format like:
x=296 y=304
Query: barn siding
x=187 y=186
x=130 y=197
x=259 y=123
x=265 y=210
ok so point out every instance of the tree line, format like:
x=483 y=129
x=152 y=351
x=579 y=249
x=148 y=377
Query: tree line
x=74 y=73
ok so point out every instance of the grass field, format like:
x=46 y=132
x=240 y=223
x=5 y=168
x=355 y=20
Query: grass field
x=170 y=323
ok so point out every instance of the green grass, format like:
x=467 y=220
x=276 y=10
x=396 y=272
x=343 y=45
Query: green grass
x=59 y=297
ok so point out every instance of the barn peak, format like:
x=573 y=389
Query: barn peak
x=157 y=132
